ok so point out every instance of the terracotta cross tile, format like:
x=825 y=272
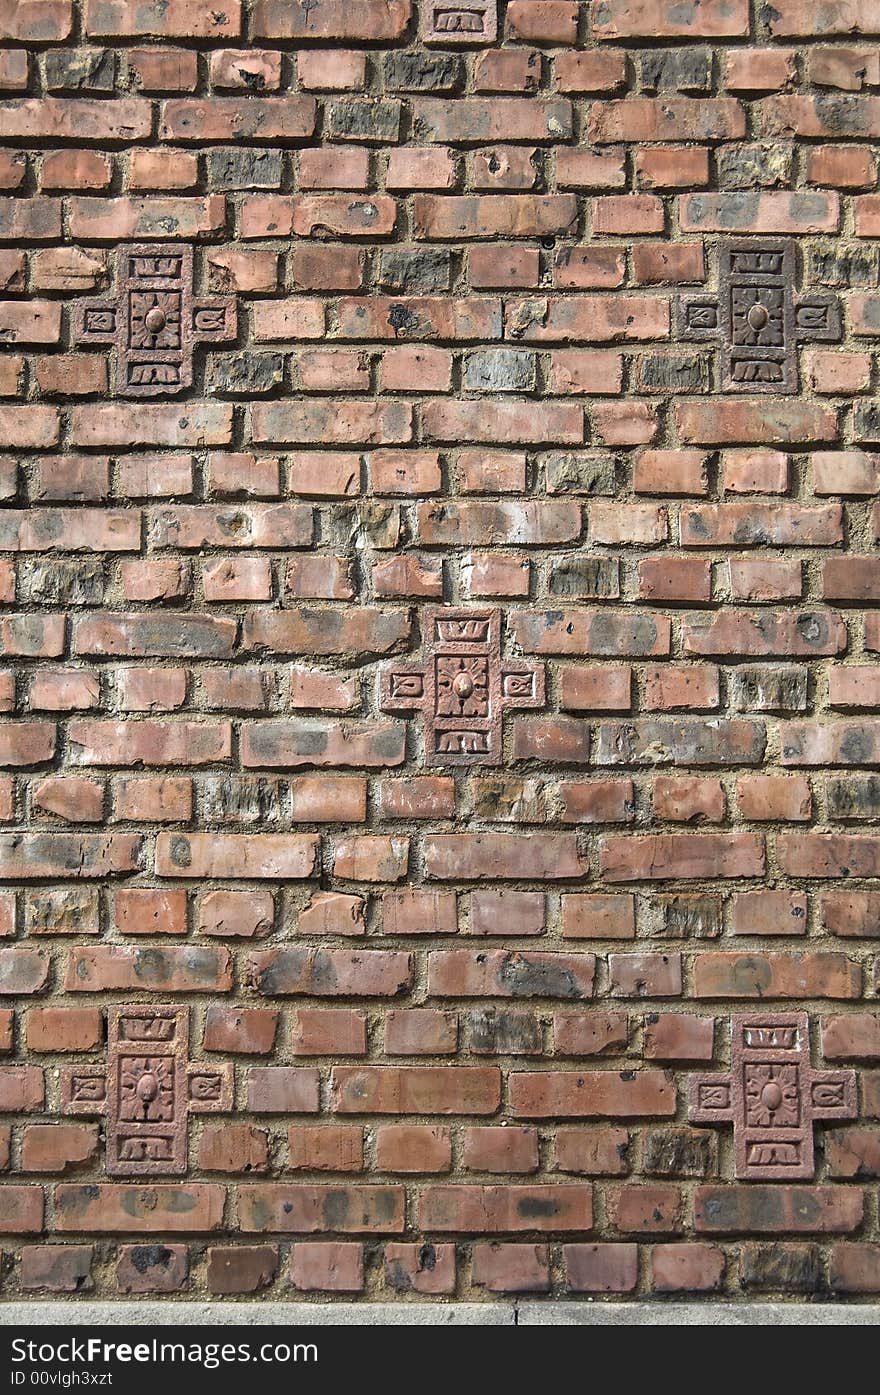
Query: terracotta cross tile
x=154 y=321
x=147 y=1090
x=463 y=687
x=773 y=1095
x=756 y=318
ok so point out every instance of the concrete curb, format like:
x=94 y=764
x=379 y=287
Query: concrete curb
x=720 y=1314
x=529 y=1314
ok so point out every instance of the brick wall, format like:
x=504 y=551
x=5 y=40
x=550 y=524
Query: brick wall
x=440 y=658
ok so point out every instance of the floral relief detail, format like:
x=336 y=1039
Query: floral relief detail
x=758 y=315
x=772 y=1096
x=146 y=1088
x=462 y=687
x=155 y=320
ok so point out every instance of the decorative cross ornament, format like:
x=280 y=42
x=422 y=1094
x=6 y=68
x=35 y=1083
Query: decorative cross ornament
x=773 y=1096
x=147 y=1090
x=756 y=318
x=462 y=687
x=472 y=22
x=154 y=322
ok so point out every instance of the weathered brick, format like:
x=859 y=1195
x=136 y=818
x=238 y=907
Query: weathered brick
x=151 y=1268
x=415 y=1089
x=125 y=1209
x=591 y=1094
x=823 y=974
x=57 y=1268
x=302 y=970
x=178 y=969
x=307 y=1208
x=464 y=1209
x=761 y=1209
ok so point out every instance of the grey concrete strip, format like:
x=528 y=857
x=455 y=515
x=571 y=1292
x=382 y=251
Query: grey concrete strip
x=720 y=1314
x=418 y=1314
x=250 y=1314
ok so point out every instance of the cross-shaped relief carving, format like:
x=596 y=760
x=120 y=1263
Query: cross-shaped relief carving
x=773 y=1096
x=462 y=687
x=756 y=318
x=147 y=1090
x=154 y=321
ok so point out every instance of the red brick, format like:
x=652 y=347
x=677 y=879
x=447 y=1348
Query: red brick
x=673 y=167
x=301 y=1209
x=374 y=20
x=235 y=914
x=415 y=1089
x=138 y=911
x=649 y=1209
x=768 y=913
x=489 y=1210
x=664 y=856
x=109 y=968
x=771 y=797
x=57 y=1268
x=283 y=1090
x=645 y=975
x=419 y=913
x=678 y=1037
x=503 y=1268
x=269 y=856
x=601 y=1268
x=675 y=119
x=240 y=1268
x=329 y=1148
x=600 y=917
x=591 y=1094
x=687 y=799
x=22 y=1212
x=852 y=1038
x=736 y=1210
x=756 y=472
x=124 y=1209
x=855 y=1268
x=415 y=1268
x=250 y=1031
x=332 y=913
x=327 y=1268
x=413 y=1148
x=58 y=1148
x=332 y=69
x=823 y=974
x=500 y=1149
x=470 y=857
x=687 y=1268
x=420 y=1032
x=21 y=1089
x=592 y=1151
x=733 y=423
x=303 y=970
x=151 y=1268
x=63 y=1029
